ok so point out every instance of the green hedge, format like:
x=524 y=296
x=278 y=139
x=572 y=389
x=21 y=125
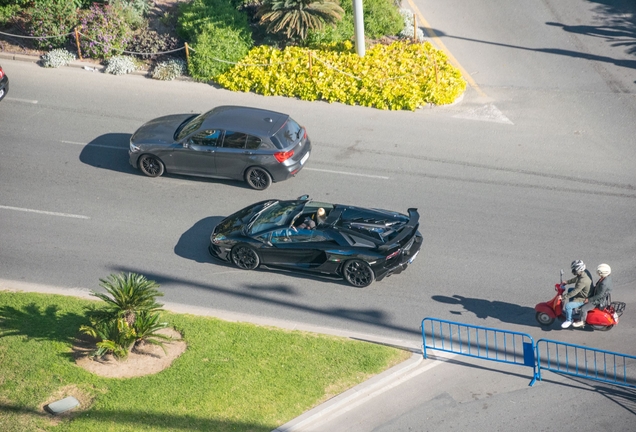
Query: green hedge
x=217 y=31
x=402 y=75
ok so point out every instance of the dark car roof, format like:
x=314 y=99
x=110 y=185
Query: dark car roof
x=253 y=121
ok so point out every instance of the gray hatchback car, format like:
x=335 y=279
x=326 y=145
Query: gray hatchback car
x=231 y=142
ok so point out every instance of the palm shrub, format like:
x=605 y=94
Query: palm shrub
x=130 y=318
x=129 y=294
x=296 y=17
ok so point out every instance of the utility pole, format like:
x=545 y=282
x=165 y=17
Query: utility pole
x=358 y=26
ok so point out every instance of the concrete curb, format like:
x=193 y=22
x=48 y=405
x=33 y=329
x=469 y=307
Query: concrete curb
x=86 y=64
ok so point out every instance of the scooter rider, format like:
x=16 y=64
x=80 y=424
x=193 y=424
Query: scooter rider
x=603 y=288
x=576 y=297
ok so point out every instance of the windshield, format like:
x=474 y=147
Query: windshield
x=288 y=135
x=189 y=126
x=275 y=216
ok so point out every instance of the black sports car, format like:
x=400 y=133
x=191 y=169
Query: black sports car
x=359 y=244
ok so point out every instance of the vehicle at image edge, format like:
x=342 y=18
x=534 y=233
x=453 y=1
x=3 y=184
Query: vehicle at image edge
x=4 y=84
x=358 y=244
x=229 y=142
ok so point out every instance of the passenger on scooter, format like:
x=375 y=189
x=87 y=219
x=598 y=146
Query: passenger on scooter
x=576 y=296
x=601 y=293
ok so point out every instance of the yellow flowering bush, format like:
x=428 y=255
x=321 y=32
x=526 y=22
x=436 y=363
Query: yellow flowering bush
x=399 y=76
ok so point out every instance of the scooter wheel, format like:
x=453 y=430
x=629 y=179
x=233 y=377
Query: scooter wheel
x=602 y=328
x=544 y=319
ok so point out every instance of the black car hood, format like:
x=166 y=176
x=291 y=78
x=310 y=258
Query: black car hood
x=160 y=130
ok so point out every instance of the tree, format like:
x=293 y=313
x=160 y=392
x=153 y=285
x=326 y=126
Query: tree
x=296 y=17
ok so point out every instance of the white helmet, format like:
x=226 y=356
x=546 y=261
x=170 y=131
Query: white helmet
x=603 y=270
x=577 y=267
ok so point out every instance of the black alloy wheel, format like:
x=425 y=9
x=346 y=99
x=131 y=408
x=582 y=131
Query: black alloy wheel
x=258 y=178
x=245 y=257
x=544 y=319
x=151 y=166
x=358 y=273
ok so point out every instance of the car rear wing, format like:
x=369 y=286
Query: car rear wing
x=406 y=231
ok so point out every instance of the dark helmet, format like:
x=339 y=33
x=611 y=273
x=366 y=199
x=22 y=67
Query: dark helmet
x=577 y=267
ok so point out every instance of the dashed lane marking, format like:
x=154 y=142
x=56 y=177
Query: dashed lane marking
x=49 y=213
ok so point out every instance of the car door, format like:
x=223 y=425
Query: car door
x=197 y=154
x=236 y=152
x=301 y=249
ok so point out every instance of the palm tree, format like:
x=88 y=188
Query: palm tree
x=130 y=294
x=296 y=17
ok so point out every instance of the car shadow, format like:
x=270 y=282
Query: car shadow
x=503 y=311
x=110 y=151
x=193 y=244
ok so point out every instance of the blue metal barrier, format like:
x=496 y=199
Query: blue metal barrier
x=480 y=342
x=585 y=362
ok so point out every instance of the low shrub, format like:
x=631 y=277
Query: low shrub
x=402 y=75
x=121 y=65
x=148 y=43
x=219 y=33
x=51 y=21
x=170 y=69
x=407 y=32
x=105 y=32
x=56 y=58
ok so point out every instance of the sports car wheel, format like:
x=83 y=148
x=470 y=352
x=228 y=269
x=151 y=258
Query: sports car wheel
x=358 y=273
x=602 y=328
x=151 y=166
x=258 y=178
x=245 y=257
x=544 y=319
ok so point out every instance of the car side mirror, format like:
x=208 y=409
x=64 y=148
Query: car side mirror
x=303 y=197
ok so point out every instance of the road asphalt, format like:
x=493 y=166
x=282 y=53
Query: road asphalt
x=441 y=393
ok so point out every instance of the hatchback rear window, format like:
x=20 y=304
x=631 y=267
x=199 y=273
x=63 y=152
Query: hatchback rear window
x=288 y=135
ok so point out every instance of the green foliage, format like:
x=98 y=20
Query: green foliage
x=147 y=328
x=7 y=12
x=105 y=31
x=219 y=33
x=381 y=18
x=56 y=58
x=128 y=294
x=169 y=69
x=51 y=21
x=113 y=336
x=213 y=47
x=397 y=76
x=296 y=17
x=148 y=42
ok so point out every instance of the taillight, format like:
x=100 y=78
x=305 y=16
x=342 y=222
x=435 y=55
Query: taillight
x=393 y=255
x=305 y=134
x=283 y=156
x=1 y=73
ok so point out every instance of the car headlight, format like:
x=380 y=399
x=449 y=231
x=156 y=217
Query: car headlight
x=217 y=238
x=134 y=148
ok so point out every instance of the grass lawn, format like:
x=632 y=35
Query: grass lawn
x=232 y=376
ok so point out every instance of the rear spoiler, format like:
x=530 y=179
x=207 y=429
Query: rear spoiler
x=407 y=230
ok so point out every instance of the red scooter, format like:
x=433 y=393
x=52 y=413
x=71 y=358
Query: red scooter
x=599 y=319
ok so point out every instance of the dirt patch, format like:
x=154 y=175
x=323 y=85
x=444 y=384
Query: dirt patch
x=148 y=360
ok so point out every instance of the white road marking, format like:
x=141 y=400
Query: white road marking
x=22 y=100
x=44 y=212
x=487 y=112
x=348 y=173
x=95 y=145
